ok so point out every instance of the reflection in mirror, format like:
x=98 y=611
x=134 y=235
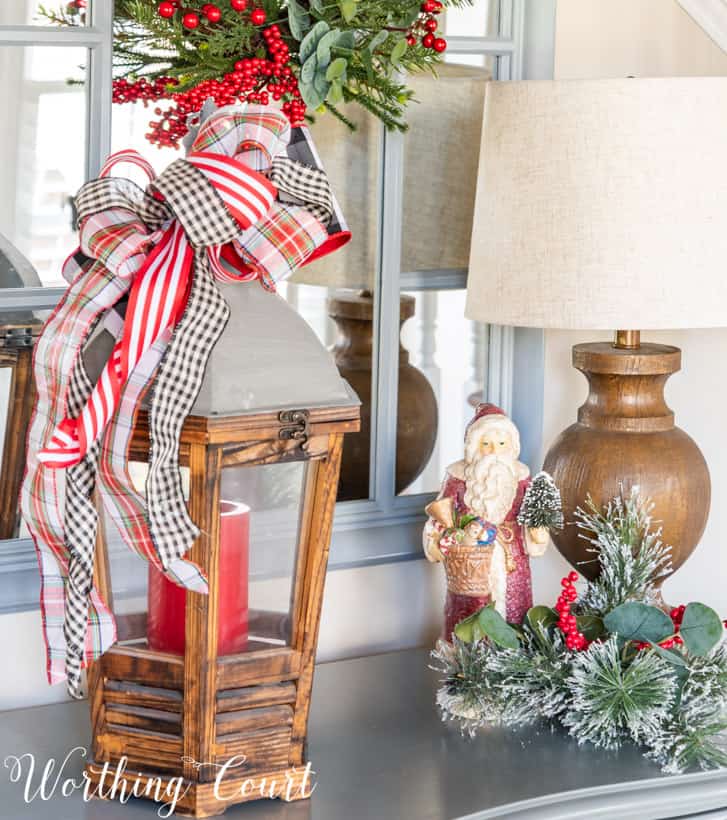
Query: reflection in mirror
x=48 y=13
x=18 y=329
x=43 y=146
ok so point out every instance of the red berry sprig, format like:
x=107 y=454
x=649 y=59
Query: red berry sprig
x=212 y=13
x=254 y=80
x=128 y=92
x=574 y=639
x=257 y=17
x=424 y=28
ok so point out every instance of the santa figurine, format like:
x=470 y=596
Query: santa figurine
x=483 y=528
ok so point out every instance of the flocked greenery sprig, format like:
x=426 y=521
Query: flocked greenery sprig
x=307 y=55
x=628 y=549
x=605 y=663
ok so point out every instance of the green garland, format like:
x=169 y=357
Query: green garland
x=636 y=674
x=341 y=51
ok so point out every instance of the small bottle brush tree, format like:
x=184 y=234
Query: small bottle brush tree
x=542 y=505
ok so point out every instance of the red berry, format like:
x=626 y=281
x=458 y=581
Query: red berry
x=411 y=40
x=238 y=5
x=212 y=13
x=428 y=6
x=166 y=9
x=190 y=20
x=257 y=17
x=431 y=24
x=565 y=582
x=428 y=40
x=573 y=576
x=440 y=44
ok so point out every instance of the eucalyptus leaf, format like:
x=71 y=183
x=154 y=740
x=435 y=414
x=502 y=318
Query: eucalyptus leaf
x=465 y=628
x=317 y=6
x=298 y=19
x=323 y=49
x=670 y=655
x=335 y=95
x=322 y=87
x=311 y=96
x=310 y=41
x=398 y=51
x=336 y=69
x=478 y=633
x=310 y=67
x=348 y=9
x=639 y=622
x=346 y=40
x=497 y=629
x=701 y=629
x=590 y=626
x=377 y=40
x=543 y=615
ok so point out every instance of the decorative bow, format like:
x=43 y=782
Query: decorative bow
x=238 y=208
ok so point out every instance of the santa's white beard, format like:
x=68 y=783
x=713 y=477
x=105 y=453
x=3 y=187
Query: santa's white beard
x=491 y=486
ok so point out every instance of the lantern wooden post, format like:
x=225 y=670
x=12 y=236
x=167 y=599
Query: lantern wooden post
x=185 y=717
x=16 y=353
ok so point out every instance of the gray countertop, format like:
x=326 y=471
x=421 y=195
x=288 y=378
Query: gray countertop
x=380 y=752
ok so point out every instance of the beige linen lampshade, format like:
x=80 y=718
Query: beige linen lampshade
x=602 y=204
x=440 y=174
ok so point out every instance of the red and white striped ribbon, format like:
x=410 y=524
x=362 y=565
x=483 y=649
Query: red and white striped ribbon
x=247 y=194
x=158 y=296
x=130 y=156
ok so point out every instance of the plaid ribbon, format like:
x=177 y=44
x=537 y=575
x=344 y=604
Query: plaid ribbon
x=145 y=271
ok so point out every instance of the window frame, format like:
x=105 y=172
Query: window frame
x=384 y=528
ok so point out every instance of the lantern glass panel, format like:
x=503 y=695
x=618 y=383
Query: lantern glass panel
x=259 y=525
x=259 y=533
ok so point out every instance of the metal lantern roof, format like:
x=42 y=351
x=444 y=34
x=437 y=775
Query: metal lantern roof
x=16 y=271
x=268 y=358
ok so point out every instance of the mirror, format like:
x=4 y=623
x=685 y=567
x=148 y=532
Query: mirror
x=18 y=331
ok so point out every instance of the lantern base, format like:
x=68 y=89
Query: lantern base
x=201 y=799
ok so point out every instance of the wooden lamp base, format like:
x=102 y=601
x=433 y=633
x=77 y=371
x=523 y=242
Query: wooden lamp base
x=625 y=435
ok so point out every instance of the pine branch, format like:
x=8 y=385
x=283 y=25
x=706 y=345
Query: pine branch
x=630 y=553
x=612 y=702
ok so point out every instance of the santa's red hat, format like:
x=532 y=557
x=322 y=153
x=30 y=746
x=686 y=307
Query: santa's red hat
x=498 y=417
x=485 y=409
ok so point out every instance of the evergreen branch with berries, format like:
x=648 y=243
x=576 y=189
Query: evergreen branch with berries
x=604 y=663
x=310 y=56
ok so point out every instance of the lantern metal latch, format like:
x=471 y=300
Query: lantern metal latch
x=16 y=337
x=296 y=426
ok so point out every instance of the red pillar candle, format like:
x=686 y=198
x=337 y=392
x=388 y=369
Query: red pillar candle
x=166 y=600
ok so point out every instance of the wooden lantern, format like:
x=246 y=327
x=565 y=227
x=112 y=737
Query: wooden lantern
x=187 y=716
x=18 y=331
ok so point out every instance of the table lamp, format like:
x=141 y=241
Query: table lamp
x=439 y=194
x=601 y=205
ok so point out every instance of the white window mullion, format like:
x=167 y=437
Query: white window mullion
x=386 y=320
x=99 y=75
